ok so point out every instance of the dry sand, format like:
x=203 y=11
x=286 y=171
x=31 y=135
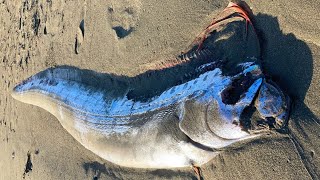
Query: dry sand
x=35 y=35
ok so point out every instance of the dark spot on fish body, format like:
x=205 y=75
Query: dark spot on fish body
x=185 y=86
x=235 y=122
x=233 y=93
x=205 y=78
x=52 y=82
x=230 y=95
x=195 y=82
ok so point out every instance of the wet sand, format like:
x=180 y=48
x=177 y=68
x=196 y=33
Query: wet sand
x=124 y=37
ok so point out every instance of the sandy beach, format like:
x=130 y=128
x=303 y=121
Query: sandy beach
x=126 y=37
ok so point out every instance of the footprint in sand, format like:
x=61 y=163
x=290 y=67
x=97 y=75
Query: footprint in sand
x=123 y=15
x=79 y=37
x=80 y=30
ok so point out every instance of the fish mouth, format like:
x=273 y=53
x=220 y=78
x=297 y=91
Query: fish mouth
x=252 y=123
x=280 y=122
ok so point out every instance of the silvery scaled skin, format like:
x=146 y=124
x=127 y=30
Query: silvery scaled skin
x=181 y=127
x=185 y=124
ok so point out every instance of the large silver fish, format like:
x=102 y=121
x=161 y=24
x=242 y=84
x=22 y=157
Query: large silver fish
x=145 y=123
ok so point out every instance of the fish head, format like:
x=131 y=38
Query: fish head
x=273 y=105
x=246 y=106
x=227 y=114
x=217 y=123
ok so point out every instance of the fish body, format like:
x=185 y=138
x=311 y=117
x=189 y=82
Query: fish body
x=186 y=123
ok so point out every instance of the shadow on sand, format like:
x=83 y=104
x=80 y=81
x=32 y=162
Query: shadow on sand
x=289 y=62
